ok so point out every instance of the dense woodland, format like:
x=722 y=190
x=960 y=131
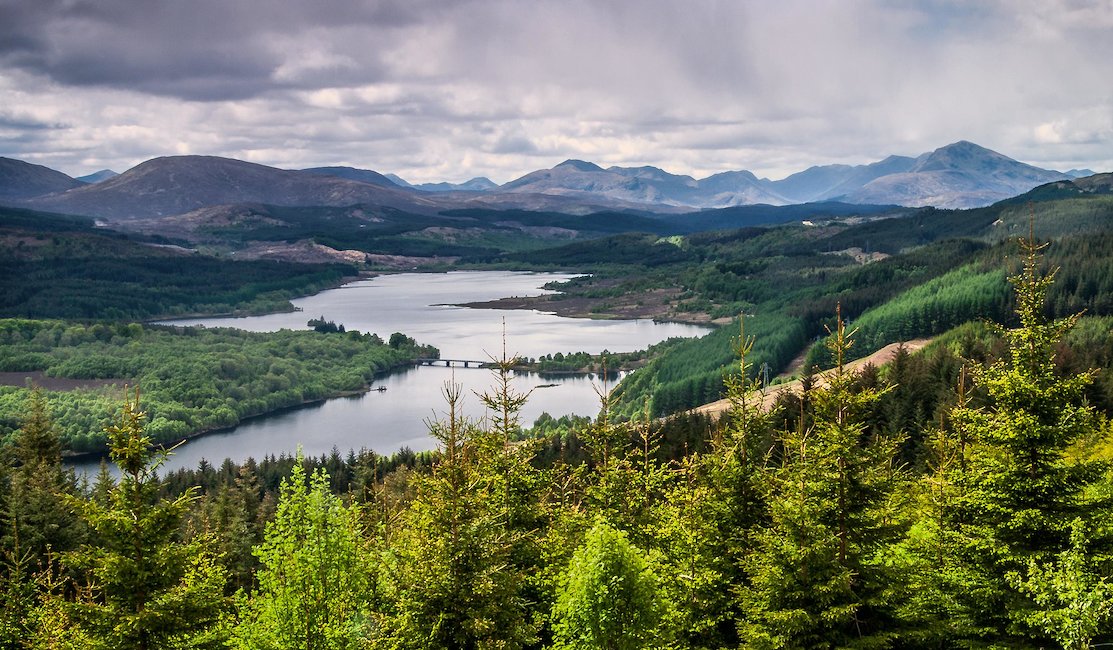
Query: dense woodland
x=194 y=379
x=959 y=497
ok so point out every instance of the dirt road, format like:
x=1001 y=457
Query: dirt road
x=766 y=401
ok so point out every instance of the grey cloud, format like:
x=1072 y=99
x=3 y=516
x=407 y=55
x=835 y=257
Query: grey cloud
x=197 y=49
x=9 y=120
x=499 y=87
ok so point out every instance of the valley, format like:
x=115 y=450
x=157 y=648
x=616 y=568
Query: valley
x=890 y=331
x=533 y=325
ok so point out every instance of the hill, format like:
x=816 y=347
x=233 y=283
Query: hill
x=179 y=184
x=645 y=185
x=98 y=176
x=21 y=180
x=958 y=175
x=58 y=266
x=353 y=174
x=478 y=184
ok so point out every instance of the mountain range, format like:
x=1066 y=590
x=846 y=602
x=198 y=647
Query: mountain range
x=959 y=175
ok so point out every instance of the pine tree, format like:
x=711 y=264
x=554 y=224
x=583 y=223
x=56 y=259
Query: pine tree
x=934 y=603
x=712 y=515
x=147 y=589
x=36 y=521
x=449 y=575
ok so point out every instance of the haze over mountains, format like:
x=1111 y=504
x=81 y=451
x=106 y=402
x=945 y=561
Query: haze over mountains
x=960 y=175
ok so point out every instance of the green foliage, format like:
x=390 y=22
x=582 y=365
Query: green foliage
x=1054 y=219
x=453 y=576
x=791 y=528
x=65 y=268
x=819 y=574
x=692 y=372
x=930 y=308
x=1018 y=499
x=36 y=522
x=610 y=598
x=314 y=582
x=146 y=588
x=1074 y=604
x=194 y=379
x=712 y=516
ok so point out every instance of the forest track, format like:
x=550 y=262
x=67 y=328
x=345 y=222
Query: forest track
x=765 y=400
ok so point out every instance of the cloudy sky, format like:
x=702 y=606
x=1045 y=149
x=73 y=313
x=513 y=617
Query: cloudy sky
x=447 y=90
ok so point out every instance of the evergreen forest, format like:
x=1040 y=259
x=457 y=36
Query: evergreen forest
x=957 y=497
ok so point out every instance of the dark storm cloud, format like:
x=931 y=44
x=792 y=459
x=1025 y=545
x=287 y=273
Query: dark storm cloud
x=198 y=49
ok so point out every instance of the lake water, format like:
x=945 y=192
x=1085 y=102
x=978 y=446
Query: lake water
x=420 y=305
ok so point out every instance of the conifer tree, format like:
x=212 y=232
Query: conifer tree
x=147 y=589
x=818 y=574
x=36 y=521
x=525 y=513
x=449 y=576
x=713 y=513
x=1021 y=495
x=934 y=603
x=627 y=481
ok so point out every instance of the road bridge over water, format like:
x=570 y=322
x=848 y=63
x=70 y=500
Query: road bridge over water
x=451 y=363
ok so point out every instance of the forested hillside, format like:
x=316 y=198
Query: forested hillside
x=56 y=266
x=955 y=498
x=193 y=379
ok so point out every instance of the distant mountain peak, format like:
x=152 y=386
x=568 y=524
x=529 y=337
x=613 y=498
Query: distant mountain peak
x=580 y=165
x=174 y=185
x=98 y=176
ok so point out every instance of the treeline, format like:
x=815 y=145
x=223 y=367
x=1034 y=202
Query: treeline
x=581 y=362
x=824 y=523
x=55 y=266
x=194 y=379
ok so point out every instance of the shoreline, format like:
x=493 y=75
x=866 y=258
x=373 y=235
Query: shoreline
x=170 y=446
x=573 y=307
x=559 y=303
x=161 y=320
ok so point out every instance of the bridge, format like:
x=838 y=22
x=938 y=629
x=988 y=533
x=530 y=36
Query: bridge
x=451 y=363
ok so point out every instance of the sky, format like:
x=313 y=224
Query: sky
x=438 y=90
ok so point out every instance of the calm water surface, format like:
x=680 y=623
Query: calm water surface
x=420 y=305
